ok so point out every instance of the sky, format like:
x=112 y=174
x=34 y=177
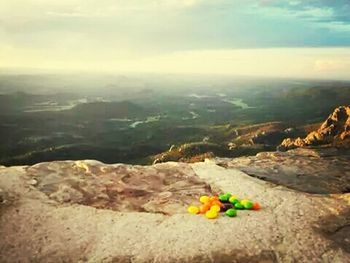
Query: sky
x=273 y=38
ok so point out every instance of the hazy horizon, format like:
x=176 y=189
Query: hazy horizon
x=262 y=38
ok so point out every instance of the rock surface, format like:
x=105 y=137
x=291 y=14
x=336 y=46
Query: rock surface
x=312 y=170
x=87 y=211
x=335 y=130
x=157 y=189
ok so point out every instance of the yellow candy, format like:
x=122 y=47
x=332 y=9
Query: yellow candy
x=204 y=199
x=215 y=208
x=211 y=214
x=193 y=209
x=244 y=201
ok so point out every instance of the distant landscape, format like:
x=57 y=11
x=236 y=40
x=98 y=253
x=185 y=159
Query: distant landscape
x=137 y=119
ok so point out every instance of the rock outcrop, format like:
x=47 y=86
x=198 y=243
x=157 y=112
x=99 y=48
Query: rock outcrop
x=271 y=137
x=87 y=211
x=335 y=130
x=189 y=152
x=311 y=170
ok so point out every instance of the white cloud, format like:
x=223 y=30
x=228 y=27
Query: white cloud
x=330 y=63
x=315 y=13
x=322 y=17
x=190 y=2
x=337 y=26
x=307 y=13
x=33 y=8
x=294 y=3
x=150 y=35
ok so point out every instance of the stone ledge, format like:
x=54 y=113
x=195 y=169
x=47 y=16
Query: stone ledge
x=292 y=226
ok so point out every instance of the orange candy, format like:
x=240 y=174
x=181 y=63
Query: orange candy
x=213 y=198
x=217 y=202
x=256 y=206
x=204 y=208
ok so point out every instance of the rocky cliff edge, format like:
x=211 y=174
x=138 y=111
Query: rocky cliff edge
x=87 y=211
x=335 y=130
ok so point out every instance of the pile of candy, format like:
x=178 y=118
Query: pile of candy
x=212 y=205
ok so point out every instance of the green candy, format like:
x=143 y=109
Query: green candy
x=238 y=206
x=234 y=200
x=224 y=197
x=231 y=212
x=248 y=205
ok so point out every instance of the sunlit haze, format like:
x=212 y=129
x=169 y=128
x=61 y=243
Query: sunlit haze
x=308 y=39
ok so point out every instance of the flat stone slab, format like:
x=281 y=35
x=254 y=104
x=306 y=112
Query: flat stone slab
x=317 y=171
x=164 y=188
x=35 y=226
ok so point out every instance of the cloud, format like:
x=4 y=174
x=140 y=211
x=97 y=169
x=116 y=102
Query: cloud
x=190 y=2
x=333 y=15
x=323 y=63
x=330 y=66
x=337 y=26
x=126 y=33
x=33 y=8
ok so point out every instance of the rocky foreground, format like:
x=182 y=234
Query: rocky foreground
x=86 y=211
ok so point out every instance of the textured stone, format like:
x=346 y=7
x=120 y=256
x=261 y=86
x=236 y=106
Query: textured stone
x=74 y=225
x=335 y=130
x=312 y=170
x=162 y=188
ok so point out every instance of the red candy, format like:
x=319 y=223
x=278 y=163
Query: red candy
x=256 y=206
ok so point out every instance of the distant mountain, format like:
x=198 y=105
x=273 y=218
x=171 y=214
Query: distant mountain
x=18 y=101
x=335 y=131
x=326 y=95
x=228 y=141
x=251 y=139
x=123 y=109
